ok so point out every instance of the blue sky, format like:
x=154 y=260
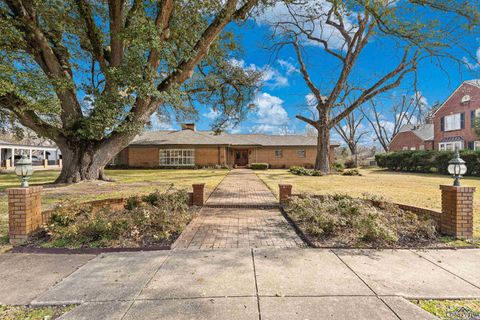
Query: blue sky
x=283 y=94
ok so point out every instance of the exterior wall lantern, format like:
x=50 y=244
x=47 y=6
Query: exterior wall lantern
x=24 y=169
x=457 y=168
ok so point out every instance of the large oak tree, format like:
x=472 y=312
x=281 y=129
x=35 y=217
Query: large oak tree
x=339 y=31
x=89 y=74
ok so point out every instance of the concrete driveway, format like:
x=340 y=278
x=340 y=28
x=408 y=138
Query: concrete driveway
x=249 y=283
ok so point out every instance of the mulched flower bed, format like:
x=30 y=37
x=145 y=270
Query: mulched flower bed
x=155 y=220
x=369 y=222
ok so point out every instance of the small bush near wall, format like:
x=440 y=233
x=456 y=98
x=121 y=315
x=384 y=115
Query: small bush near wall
x=427 y=161
x=351 y=172
x=153 y=220
x=259 y=166
x=340 y=220
x=301 y=171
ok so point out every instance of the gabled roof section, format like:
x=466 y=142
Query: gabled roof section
x=423 y=131
x=474 y=82
x=174 y=137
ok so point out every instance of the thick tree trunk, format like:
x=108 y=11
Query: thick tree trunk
x=322 y=161
x=86 y=160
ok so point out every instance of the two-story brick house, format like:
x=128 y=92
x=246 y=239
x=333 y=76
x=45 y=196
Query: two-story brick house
x=454 y=120
x=452 y=126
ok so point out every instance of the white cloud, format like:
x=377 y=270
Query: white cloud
x=279 y=13
x=289 y=67
x=270 y=115
x=158 y=122
x=212 y=114
x=271 y=77
x=474 y=65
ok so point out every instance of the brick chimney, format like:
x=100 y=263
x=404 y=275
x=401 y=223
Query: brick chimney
x=188 y=126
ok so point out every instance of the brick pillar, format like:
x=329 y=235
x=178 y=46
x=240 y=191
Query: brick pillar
x=198 y=194
x=457 y=211
x=24 y=212
x=285 y=191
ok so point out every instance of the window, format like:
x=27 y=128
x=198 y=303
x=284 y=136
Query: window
x=404 y=148
x=453 y=122
x=177 y=157
x=451 y=146
x=413 y=148
x=421 y=147
x=301 y=153
x=278 y=153
x=476 y=145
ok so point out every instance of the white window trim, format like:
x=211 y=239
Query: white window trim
x=176 y=157
x=453 y=122
x=450 y=146
x=281 y=153
x=301 y=151
x=476 y=145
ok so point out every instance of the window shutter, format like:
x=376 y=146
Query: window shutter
x=471 y=145
x=442 y=124
x=472 y=118
x=462 y=120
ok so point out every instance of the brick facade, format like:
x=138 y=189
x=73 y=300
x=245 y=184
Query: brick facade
x=454 y=105
x=24 y=212
x=149 y=156
x=409 y=141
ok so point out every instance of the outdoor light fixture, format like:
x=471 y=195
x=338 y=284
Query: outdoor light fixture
x=24 y=169
x=457 y=168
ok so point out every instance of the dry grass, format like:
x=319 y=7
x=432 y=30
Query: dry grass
x=416 y=189
x=128 y=182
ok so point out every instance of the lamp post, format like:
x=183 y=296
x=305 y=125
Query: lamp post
x=457 y=168
x=24 y=170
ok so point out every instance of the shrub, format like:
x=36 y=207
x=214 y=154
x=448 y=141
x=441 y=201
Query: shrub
x=350 y=164
x=157 y=218
x=301 y=171
x=427 y=161
x=337 y=166
x=340 y=220
x=351 y=172
x=259 y=166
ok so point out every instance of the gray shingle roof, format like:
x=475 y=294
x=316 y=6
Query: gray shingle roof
x=423 y=131
x=189 y=137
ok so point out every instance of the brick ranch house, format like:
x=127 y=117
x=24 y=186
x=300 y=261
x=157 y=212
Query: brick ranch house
x=191 y=148
x=452 y=126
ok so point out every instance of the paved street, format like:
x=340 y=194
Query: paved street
x=247 y=283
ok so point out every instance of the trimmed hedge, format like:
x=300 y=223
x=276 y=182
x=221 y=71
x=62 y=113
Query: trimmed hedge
x=427 y=161
x=259 y=166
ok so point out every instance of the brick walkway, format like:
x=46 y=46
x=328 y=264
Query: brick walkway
x=245 y=220
x=242 y=187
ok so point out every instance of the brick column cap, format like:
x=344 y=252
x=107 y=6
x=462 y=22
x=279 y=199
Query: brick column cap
x=24 y=190
x=198 y=185
x=457 y=189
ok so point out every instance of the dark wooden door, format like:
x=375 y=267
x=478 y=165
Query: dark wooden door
x=241 y=157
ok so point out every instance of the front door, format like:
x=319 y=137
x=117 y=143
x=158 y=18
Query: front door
x=241 y=157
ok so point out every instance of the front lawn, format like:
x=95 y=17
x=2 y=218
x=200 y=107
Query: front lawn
x=32 y=313
x=451 y=309
x=421 y=190
x=128 y=182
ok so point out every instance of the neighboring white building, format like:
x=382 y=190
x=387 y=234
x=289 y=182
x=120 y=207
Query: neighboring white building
x=44 y=156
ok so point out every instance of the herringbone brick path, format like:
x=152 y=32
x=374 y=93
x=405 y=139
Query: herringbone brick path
x=243 y=222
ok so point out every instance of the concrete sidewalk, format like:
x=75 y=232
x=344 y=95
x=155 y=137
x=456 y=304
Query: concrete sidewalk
x=267 y=282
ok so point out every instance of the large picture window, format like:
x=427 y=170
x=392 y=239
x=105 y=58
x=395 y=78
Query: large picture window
x=450 y=146
x=177 y=157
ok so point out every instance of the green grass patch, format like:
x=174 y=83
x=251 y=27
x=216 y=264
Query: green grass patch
x=451 y=309
x=32 y=313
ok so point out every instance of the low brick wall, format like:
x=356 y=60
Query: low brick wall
x=436 y=215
